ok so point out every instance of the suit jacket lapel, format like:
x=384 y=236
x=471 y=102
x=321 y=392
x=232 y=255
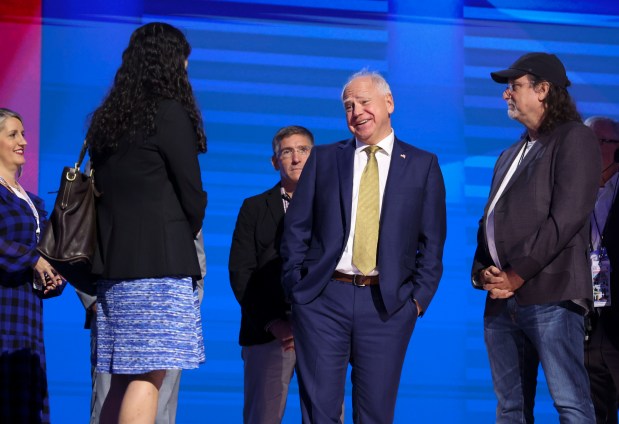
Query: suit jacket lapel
x=16 y=200
x=502 y=169
x=526 y=161
x=398 y=162
x=275 y=203
x=537 y=149
x=346 y=166
x=275 y=208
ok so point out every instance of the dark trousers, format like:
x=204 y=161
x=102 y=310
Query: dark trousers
x=345 y=325
x=602 y=362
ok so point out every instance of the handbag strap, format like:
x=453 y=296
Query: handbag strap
x=82 y=155
x=73 y=172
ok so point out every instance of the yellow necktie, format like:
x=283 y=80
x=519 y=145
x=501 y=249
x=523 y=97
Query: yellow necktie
x=365 y=243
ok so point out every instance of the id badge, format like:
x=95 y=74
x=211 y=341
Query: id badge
x=600 y=273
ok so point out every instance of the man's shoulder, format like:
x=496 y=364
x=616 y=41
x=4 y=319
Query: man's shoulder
x=415 y=151
x=570 y=127
x=333 y=146
x=258 y=198
x=402 y=145
x=571 y=135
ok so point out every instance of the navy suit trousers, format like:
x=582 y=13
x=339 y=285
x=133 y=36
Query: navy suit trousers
x=345 y=324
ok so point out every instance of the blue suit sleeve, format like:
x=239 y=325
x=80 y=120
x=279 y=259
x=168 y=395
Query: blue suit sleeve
x=429 y=258
x=298 y=224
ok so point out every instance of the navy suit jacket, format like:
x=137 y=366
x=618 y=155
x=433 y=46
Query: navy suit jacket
x=412 y=225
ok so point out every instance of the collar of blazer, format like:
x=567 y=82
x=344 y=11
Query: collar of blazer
x=13 y=201
x=513 y=154
x=274 y=202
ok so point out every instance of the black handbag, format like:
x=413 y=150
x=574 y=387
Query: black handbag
x=69 y=241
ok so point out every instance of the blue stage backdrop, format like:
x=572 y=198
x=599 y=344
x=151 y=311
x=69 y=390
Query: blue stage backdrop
x=262 y=64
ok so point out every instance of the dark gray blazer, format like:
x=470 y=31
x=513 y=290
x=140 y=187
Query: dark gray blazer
x=542 y=218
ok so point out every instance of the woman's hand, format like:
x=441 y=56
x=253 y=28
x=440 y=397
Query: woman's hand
x=47 y=276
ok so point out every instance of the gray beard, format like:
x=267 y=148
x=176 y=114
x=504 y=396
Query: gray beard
x=511 y=113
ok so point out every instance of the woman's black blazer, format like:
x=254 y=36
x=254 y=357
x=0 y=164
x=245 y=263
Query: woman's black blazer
x=152 y=203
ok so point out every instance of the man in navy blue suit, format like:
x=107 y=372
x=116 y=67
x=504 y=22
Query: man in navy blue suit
x=359 y=272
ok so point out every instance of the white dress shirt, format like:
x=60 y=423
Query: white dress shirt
x=383 y=157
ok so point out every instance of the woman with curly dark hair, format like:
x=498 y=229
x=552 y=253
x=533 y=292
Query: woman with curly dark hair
x=144 y=142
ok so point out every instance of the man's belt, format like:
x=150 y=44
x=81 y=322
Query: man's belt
x=356 y=279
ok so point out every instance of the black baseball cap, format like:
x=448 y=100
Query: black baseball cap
x=546 y=66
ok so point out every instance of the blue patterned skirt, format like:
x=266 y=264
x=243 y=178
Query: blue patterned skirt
x=148 y=324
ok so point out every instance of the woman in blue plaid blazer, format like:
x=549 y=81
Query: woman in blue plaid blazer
x=23 y=382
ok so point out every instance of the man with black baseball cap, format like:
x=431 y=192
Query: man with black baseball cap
x=532 y=256
x=541 y=65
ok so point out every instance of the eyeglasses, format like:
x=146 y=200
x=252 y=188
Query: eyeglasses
x=607 y=140
x=301 y=151
x=512 y=87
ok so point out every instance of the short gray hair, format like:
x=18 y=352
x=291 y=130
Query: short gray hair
x=285 y=132
x=590 y=121
x=377 y=79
